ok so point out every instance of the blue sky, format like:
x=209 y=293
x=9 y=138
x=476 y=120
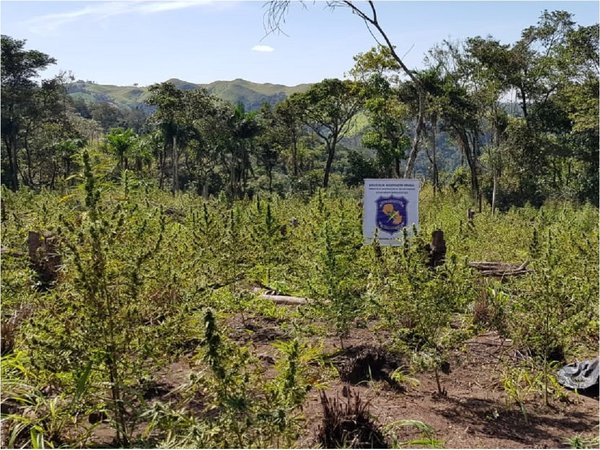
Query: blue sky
x=205 y=40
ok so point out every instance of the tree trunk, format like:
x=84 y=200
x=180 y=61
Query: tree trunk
x=397 y=167
x=161 y=168
x=471 y=160
x=494 y=184
x=29 y=180
x=330 y=155
x=14 y=165
x=435 y=176
x=232 y=175
x=175 y=185
x=294 y=155
x=412 y=157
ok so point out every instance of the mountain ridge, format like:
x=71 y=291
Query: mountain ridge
x=238 y=91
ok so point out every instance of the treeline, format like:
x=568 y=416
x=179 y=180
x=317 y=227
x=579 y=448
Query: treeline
x=545 y=147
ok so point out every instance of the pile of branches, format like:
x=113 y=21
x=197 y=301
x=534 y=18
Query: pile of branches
x=500 y=269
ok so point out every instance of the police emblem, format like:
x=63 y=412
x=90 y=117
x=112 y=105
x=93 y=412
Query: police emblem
x=391 y=214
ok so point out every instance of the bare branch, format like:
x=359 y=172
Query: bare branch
x=374 y=22
x=274 y=16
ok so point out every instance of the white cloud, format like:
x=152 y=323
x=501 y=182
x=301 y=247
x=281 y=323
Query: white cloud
x=262 y=48
x=102 y=10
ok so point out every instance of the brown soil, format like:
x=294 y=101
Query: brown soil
x=474 y=413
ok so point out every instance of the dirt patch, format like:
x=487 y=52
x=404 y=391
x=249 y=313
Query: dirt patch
x=254 y=328
x=475 y=412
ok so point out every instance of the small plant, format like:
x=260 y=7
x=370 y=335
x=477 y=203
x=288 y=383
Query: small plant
x=333 y=285
x=426 y=432
x=580 y=441
x=403 y=379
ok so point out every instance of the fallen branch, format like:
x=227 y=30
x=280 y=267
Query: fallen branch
x=500 y=269
x=284 y=299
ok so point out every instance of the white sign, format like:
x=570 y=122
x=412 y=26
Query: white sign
x=389 y=204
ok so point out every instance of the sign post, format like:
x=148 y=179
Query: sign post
x=389 y=204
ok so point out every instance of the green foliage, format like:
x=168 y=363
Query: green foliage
x=143 y=267
x=580 y=441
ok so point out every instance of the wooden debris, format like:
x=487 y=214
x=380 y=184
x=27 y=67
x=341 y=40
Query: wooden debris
x=285 y=299
x=9 y=328
x=8 y=252
x=277 y=297
x=500 y=269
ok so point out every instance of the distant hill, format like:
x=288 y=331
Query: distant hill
x=251 y=95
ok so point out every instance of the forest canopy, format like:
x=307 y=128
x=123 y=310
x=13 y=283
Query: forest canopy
x=514 y=122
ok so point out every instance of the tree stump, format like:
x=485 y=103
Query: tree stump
x=436 y=250
x=470 y=217
x=44 y=257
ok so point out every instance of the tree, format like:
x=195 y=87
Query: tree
x=244 y=128
x=275 y=15
x=213 y=142
x=552 y=70
x=107 y=115
x=270 y=141
x=287 y=117
x=386 y=113
x=327 y=108
x=169 y=102
x=121 y=142
x=19 y=67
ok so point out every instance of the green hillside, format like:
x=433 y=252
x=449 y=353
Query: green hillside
x=251 y=95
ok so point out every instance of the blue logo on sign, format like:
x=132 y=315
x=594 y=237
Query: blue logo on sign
x=391 y=213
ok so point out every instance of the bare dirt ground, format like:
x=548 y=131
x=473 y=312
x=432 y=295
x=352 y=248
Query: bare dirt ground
x=474 y=413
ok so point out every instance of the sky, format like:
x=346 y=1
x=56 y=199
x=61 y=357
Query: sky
x=144 y=42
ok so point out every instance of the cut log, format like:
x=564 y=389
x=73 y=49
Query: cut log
x=284 y=299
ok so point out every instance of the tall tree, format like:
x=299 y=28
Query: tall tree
x=387 y=114
x=169 y=102
x=19 y=68
x=287 y=119
x=243 y=128
x=121 y=142
x=327 y=108
x=552 y=61
x=275 y=16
